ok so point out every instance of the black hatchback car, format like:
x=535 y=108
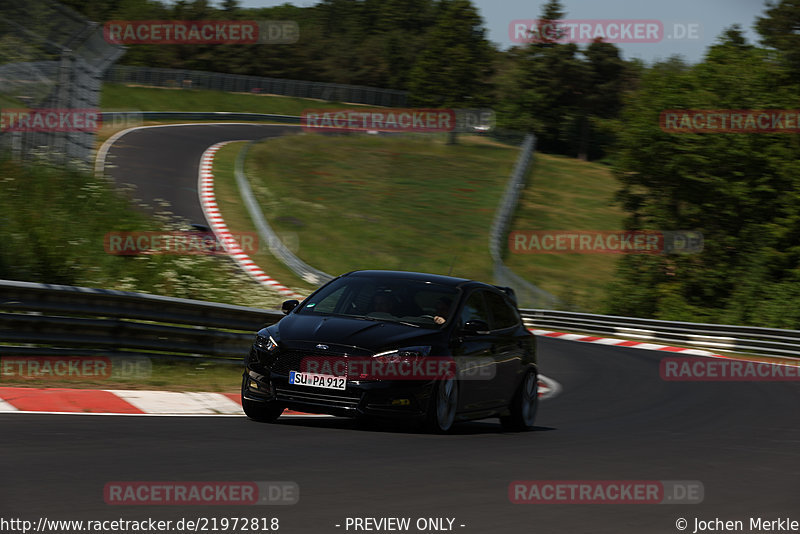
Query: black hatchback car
x=381 y=344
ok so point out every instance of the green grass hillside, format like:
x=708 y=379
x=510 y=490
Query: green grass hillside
x=355 y=202
x=568 y=194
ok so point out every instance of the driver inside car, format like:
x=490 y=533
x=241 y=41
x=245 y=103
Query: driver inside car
x=383 y=303
x=442 y=309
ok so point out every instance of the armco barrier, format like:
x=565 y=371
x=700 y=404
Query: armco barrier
x=715 y=337
x=242 y=83
x=527 y=293
x=44 y=320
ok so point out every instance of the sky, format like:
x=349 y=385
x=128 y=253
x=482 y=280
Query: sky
x=711 y=17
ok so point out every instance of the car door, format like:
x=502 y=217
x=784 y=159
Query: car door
x=473 y=354
x=507 y=351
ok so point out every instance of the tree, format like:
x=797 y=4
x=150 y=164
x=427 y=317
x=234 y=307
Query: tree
x=779 y=30
x=230 y=6
x=560 y=92
x=742 y=191
x=453 y=68
x=602 y=98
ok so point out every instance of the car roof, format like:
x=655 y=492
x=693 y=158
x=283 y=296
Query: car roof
x=427 y=277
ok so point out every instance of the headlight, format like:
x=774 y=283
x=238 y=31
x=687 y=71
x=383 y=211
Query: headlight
x=408 y=363
x=404 y=354
x=266 y=343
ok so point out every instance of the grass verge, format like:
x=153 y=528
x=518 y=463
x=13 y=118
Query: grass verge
x=373 y=202
x=166 y=375
x=136 y=98
x=568 y=194
x=370 y=202
x=237 y=219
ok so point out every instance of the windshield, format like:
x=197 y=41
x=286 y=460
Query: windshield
x=417 y=302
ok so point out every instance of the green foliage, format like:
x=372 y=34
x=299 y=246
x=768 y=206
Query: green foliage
x=53 y=226
x=742 y=191
x=778 y=30
x=562 y=93
x=453 y=67
x=362 y=42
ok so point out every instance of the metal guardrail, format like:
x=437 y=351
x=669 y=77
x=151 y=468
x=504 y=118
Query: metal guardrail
x=714 y=337
x=50 y=320
x=47 y=320
x=527 y=293
x=197 y=79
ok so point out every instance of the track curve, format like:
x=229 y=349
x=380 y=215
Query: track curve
x=163 y=161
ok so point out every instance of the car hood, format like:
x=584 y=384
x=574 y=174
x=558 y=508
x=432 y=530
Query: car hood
x=362 y=333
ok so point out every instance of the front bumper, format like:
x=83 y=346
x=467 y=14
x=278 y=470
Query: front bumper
x=378 y=398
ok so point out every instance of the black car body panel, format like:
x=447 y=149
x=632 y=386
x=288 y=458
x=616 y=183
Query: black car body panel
x=335 y=324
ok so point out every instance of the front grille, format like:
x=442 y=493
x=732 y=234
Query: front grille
x=342 y=400
x=310 y=362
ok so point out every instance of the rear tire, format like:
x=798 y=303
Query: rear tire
x=523 y=405
x=443 y=406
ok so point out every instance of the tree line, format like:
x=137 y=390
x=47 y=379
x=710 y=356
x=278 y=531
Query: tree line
x=437 y=50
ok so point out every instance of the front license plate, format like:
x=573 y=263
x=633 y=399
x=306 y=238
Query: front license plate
x=317 y=381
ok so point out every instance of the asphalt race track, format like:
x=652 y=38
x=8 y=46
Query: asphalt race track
x=163 y=162
x=615 y=419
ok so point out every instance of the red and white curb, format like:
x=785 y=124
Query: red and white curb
x=767 y=360
x=156 y=403
x=122 y=402
x=208 y=202
x=548 y=388
x=623 y=343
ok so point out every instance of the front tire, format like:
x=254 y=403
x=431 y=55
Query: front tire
x=523 y=405
x=263 y=412
x=443 y=406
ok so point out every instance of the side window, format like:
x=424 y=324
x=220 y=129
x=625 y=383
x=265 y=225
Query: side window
x=475 y=308
x=503 y=315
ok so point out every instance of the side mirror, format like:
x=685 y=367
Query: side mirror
x=476 y=326
x=289 y=305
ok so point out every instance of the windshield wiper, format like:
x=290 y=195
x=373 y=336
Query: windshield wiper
x=383 y=319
